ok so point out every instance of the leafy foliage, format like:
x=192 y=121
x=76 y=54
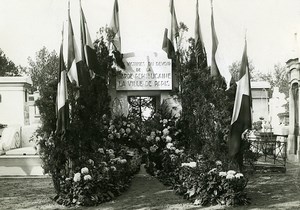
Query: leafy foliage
x=105 y=176
x=7 y=67
x=87 y=141
x=189 y=174
x=235 y=67
x=43 y=69
x=278 y=78
x=207 y=109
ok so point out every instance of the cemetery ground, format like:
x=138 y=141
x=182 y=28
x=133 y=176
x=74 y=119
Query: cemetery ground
x=266 y=190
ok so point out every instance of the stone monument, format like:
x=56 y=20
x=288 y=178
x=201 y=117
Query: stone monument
x=293 y=70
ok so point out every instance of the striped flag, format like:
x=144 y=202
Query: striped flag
x=242 y=111
x=199 y=46
x=115 y=39
x=62 y=96
x=88 y=52
x=115 y=28
x=218 y=68
x=72 y=54
x=171 y=34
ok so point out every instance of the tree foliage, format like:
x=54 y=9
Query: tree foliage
x=207 y=109
x=7 y=67
x=277 y=78
x=43 y=69
x=63 y=153
x=235 y=67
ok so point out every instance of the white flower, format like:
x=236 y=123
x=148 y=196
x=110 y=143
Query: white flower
x=173 y=148
x=168 y=139
x=222 y=173
x=111 y=151
x=148 y=138
x=85 y=170
x=118 y=135
x=184 y=164
x=197 y=202
x=177 y=151
x=122 y=130
x=166 y=132
x=113 y=168
x=153 y=149
x=110 y=136
x=165 y=121
x=128 y=130
x=169 y=145
x=219 y=163
x=239 y=175
x=101 y=150
x=91 y=162
x=231 y=172
x=152 y=134
x=87 y=177
x=132 y=125
x=112 y=156
x=190 y=164
x=77 y=177
x=229 y=176
x=157 y=138
x=123 y=161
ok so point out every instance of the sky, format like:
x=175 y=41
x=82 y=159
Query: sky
x=28 y=25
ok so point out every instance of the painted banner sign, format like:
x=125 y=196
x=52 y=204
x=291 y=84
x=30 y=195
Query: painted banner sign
x=145 y=73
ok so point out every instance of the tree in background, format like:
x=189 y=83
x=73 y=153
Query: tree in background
x=7 y=67
x=43 y=71
x=235 y=67
x=277 y=78
x=43 y=68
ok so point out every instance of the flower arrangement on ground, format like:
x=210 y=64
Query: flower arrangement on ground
x=189 y=174
x=102 y=178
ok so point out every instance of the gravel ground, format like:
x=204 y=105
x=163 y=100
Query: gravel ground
x=267 y=191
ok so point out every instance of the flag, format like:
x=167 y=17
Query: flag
x=115 y=29
x=218 y=68
x=242 y=111
x=88 y=52
x=62 y=96
x=114 y=38
x=214 y=67
x=171 y=34
x=72 y=54
x=199 y=46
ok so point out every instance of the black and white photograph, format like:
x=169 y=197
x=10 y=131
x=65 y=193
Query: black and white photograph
x=149 y=104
